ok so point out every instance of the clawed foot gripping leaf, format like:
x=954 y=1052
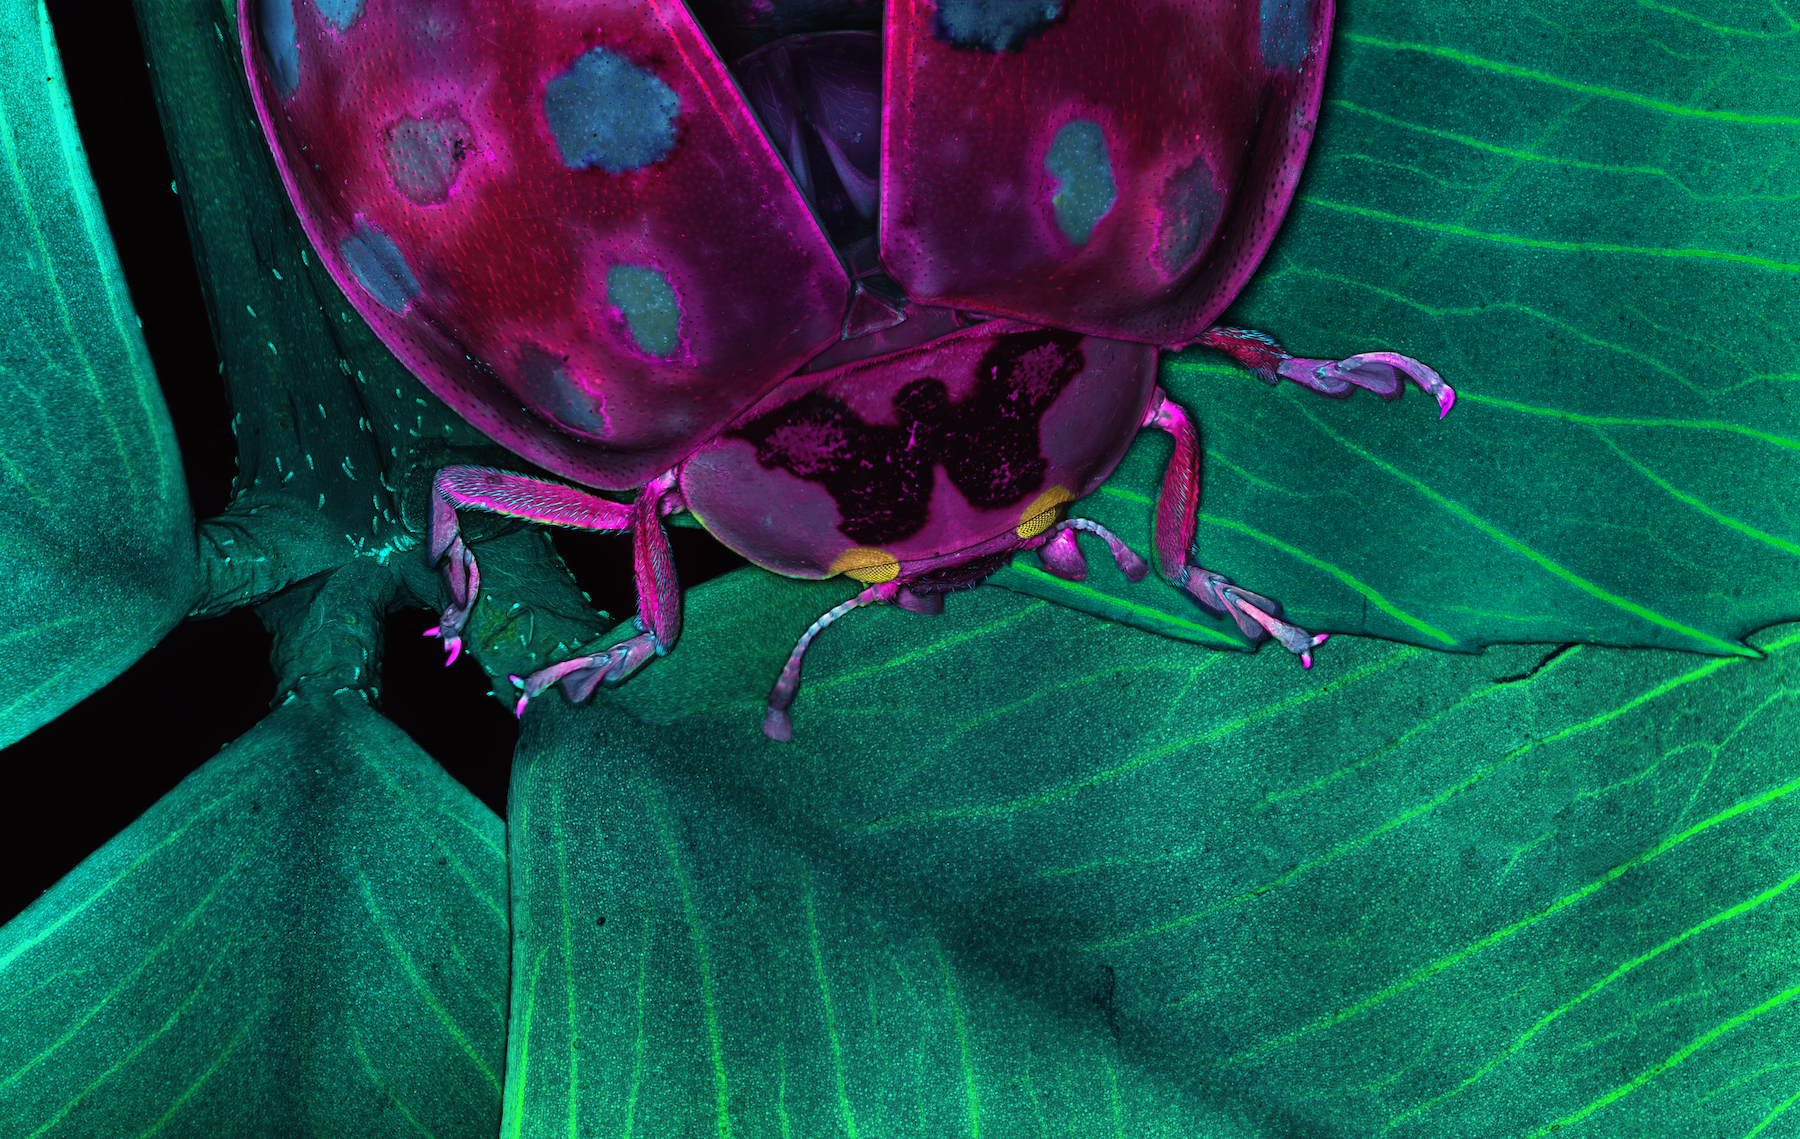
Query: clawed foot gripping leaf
x=1515 y=858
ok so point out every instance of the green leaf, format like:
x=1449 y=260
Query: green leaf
x=308 y=936
x=1585 y=219
x=96 y=535
x=1025 y=873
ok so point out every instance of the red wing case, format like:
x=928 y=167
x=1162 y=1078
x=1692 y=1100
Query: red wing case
x=1117 y=167
x=559 y=216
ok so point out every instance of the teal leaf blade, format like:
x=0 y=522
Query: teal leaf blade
x=1584 y=218
x=308 y=936
x=96 y=534
x=1064 y=877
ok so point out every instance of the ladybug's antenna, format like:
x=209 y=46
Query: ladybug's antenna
x=776 y=724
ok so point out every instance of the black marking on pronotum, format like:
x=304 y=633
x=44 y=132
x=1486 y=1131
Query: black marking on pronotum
x=882 y=476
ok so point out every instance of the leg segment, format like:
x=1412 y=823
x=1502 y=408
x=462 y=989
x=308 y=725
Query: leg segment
x=659 y=606
x=776 y=724
x=1380 y=372
x=1062 y=556
x=1176 y=506
x=518 y=496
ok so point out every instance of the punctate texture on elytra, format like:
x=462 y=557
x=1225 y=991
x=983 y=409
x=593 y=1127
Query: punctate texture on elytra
x=1003 y=132
x=562 y=218
x=600 y=239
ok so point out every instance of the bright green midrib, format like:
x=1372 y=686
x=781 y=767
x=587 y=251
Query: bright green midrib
x=1669 y=1061
x=837 y=1053
x=1517 y=72
x=1695 y=503
x=721 y=1085
x=1463 y=513
x=568 y=960
x=138 y=1048
x=1543 y=1022
x=67 y=142
x=524 y=1067
x=1432 y=968
x=1620 y=421
x=1551 y=159
x=1551 y=243
x=1375 y=597
x=1157 y=616
x=971 y=1090
x=1366 y=590
x=404 y=960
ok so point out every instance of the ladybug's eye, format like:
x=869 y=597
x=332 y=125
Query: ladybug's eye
x=818 y=98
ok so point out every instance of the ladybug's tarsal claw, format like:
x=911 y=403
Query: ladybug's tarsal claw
x=1379 y=372
x=627 y=658
x=1255 y=614
x=464 y=578
x=579 y=676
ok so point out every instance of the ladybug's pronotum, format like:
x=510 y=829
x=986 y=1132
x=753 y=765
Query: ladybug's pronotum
x=872 y=290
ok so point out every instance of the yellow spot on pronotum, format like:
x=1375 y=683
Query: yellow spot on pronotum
x=1041 y=514
x=866 y=563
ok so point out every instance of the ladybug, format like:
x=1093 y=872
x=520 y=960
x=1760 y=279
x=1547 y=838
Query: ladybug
x=869 y=289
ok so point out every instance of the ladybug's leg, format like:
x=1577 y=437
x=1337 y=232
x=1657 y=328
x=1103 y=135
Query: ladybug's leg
x=776 y=724
x=500 y=492
x=659 y=605
x=1062 y=557
x=1175 y=509
x=1380 y=372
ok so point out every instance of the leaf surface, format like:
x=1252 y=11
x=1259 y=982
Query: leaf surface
x=1585 y=219
x=96 y=534
x=1025 y=873
x=307 y=937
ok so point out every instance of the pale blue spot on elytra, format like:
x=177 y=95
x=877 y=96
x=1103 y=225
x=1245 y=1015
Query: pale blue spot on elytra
x=339 y=13
x=544 y=383
x=280 y=43
x=1190 y=206
x=424 y=155
x=1286 y=32
x=643 y=296
x=995 y=25
x=608 y=112
x=380 y=267
x=1085 y=190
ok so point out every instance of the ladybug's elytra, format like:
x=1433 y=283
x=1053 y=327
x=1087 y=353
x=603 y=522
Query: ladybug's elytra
x=869 y=289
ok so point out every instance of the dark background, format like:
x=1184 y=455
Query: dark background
x=78 y=781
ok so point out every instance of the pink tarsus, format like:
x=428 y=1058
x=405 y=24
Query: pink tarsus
x=776 y=723
x=1177 y=507
x=537 y=500
x=1379 y=372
